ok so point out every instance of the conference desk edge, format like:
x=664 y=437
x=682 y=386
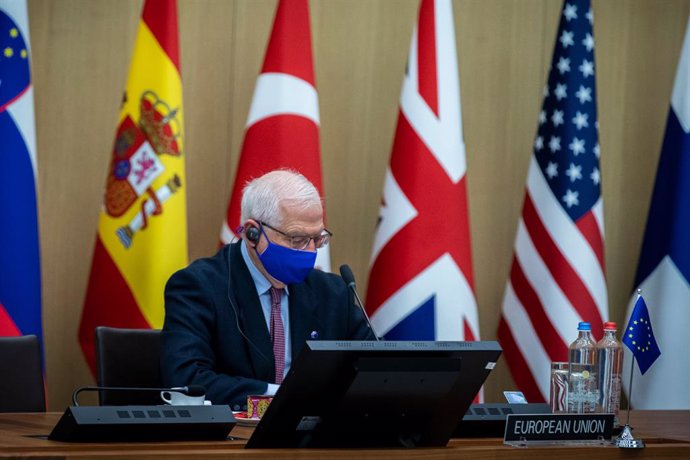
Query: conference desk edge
x=667 y=434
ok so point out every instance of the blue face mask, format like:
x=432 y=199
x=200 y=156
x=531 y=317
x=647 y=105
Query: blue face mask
x=287 y=265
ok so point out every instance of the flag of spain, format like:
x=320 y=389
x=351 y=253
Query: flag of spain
x=142 y=230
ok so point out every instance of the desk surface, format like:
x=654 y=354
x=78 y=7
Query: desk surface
x=667 y=434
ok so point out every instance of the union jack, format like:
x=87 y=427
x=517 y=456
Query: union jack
x=420 y=281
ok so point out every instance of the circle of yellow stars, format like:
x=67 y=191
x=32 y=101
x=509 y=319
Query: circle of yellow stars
x=8 y=52
x=642 y=348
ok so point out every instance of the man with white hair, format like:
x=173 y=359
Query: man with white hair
x=235 y=321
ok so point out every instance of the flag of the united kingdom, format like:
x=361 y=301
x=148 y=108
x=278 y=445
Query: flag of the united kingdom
x=420 y=281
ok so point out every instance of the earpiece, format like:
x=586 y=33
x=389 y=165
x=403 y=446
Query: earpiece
x=253 y=234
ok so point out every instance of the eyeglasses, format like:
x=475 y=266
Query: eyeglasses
x=301 y=242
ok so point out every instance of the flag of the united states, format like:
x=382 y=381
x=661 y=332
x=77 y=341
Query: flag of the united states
x=557 y=275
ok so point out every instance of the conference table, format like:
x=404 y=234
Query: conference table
x=24 y=435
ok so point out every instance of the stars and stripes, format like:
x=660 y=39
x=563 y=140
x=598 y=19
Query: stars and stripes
x=557 y=275
x=420 y=281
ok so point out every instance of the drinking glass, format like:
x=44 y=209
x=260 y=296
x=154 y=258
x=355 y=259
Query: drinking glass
x=558 y=389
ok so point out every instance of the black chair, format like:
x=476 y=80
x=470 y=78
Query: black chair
x=128 y=358
x=21 y=375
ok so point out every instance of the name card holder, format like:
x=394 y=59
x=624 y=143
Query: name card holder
x=523 y=430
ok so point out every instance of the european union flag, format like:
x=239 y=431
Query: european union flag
x=639 y=337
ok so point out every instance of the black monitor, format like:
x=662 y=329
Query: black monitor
x=375 y=394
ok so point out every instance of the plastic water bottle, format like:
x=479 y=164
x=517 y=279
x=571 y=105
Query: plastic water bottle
x=610 y=365
x=583 y=391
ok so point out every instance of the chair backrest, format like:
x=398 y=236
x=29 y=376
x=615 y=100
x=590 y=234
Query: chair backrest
x=21 y=375
x=128 y=358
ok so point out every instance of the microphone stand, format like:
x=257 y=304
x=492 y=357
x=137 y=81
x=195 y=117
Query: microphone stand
x=349 y=278
x=184 y=390
x=361 y=305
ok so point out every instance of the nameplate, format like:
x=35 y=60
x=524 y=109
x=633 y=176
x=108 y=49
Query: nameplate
x=558 y=427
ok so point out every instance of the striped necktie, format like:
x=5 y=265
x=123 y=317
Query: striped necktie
x=277 y=333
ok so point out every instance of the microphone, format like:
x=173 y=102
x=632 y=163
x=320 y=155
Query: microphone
x=349 y=278
x=189 y=390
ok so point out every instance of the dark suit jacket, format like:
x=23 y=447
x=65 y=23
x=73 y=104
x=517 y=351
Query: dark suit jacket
x=224 y=345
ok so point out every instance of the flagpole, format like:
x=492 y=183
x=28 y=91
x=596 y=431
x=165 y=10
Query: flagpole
x=626 y=439
x=632 y=368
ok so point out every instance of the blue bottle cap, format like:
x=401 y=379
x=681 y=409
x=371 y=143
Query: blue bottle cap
x=584 y=326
